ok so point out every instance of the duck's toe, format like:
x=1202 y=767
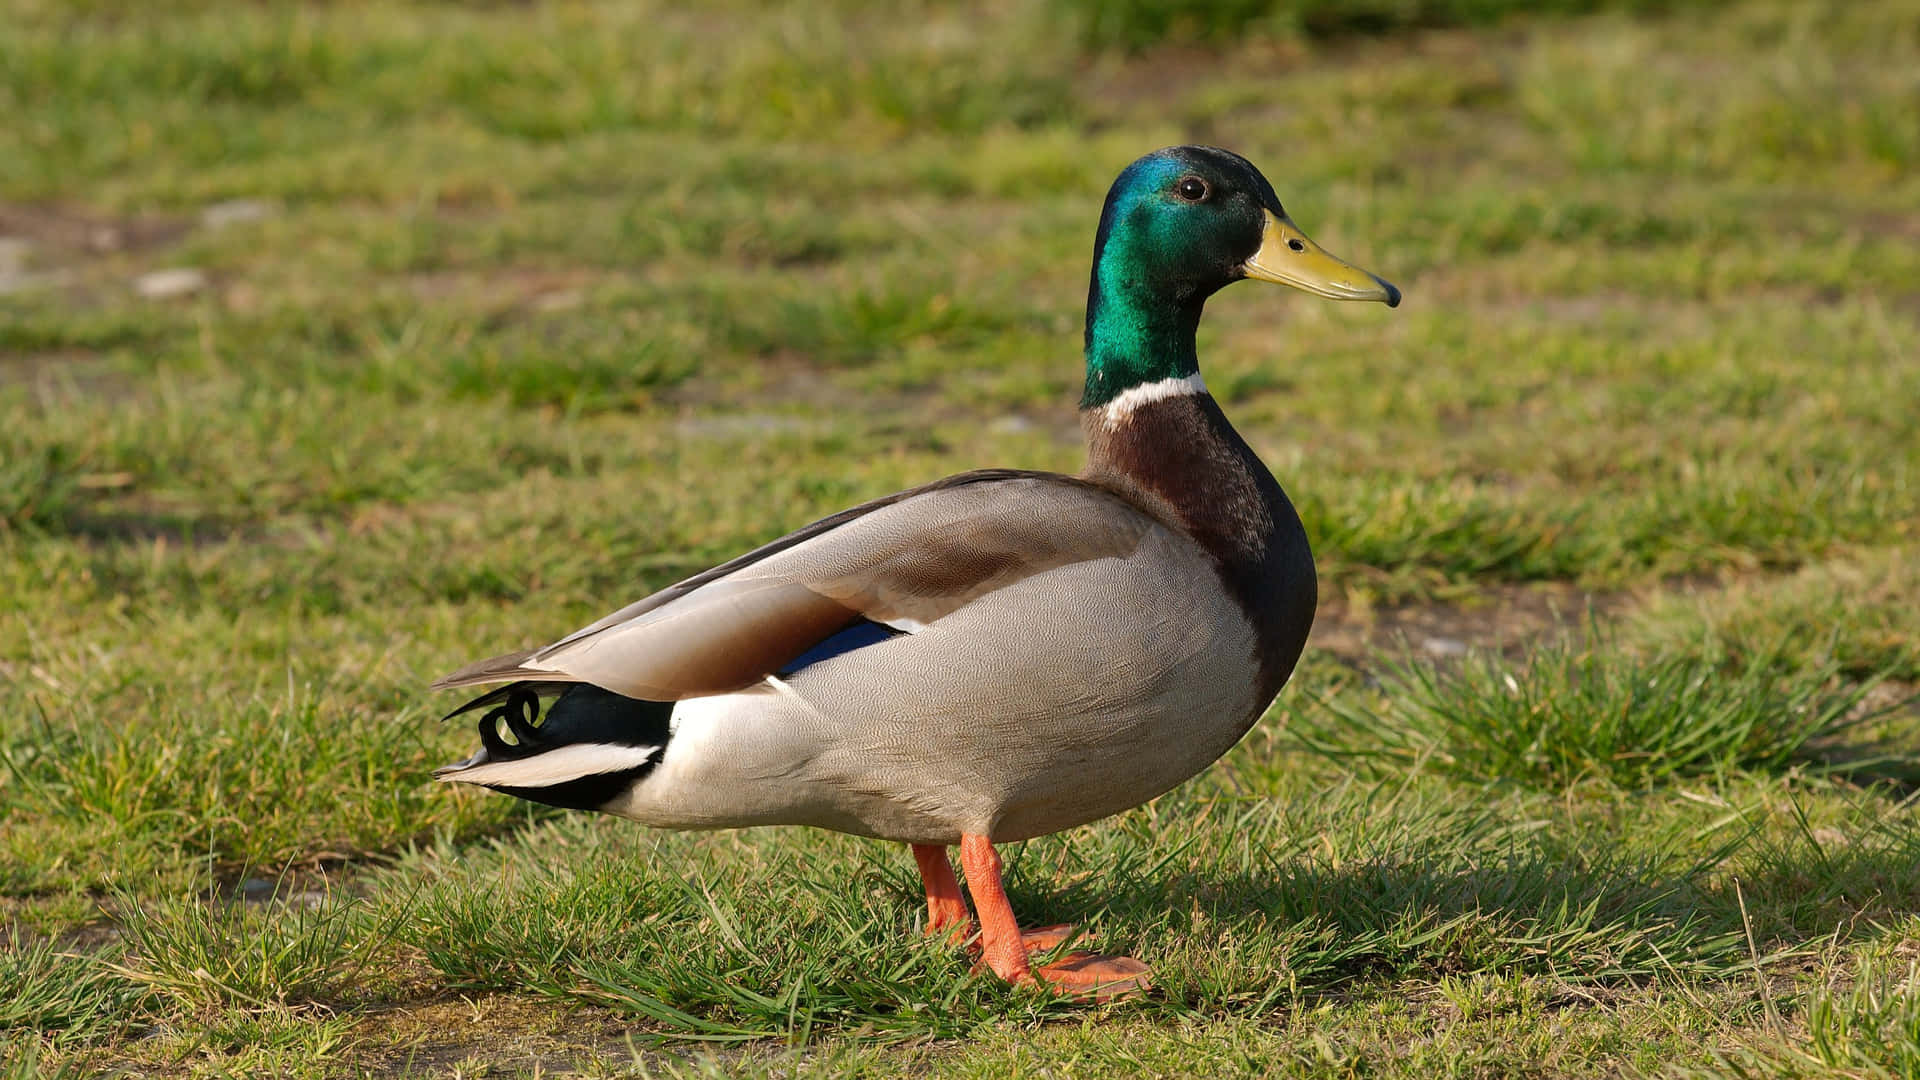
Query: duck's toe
x=957 y=925
x=1046 y=938
x=1097 y=978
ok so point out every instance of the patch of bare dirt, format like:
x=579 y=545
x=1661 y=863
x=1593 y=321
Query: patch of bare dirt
x=60 y=235
x=1890 y=223
x=128 y=522
x=1498 y=617
x=18 y=919
x=504 y=1032
x=510 y=289
x=58 y=372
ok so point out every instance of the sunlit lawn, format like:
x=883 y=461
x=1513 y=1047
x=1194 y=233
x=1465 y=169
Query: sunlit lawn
x=509 y=314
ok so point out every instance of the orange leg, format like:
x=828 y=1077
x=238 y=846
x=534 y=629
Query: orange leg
x=945 y=907
x=1004 y=949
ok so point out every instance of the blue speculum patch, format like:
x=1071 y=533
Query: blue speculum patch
x=862 y=633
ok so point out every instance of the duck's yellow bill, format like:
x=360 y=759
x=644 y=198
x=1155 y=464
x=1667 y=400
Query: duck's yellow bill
x=1287 y=257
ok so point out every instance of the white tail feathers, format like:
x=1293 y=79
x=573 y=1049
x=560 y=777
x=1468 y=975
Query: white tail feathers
x=557 y=766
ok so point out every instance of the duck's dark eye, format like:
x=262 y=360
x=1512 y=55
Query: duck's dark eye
x=1191 y=188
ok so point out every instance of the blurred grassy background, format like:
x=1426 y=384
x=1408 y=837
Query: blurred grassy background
x=1140 y=24
x=341 y=343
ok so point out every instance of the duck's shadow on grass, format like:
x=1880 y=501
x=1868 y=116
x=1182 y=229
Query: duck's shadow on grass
x=1581 y=917
x=777 y=940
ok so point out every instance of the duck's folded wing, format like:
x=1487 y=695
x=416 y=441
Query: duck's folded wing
x=905 y=561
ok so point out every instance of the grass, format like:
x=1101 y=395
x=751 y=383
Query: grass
x=1873 y=1027
x=1141 y=23
x=73 y=999
x=525 y=311
x=1574 y=711
x=1861 y=605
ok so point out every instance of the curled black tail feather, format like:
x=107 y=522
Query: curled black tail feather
x=502 y=693
x=520 y=715
x=579 y=715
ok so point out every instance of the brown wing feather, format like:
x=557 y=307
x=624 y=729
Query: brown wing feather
x=908 y=559
x=728 y=636
x=507 y=665
x=774 y=547
x=492 y=669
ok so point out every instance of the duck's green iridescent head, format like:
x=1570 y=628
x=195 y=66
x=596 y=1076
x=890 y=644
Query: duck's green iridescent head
x=1179 y=224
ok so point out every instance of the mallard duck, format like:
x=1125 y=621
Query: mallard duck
x=994 y=656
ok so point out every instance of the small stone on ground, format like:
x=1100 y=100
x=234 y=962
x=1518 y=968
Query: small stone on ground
x=170 y=283
x=13 y=263
x=236 y=212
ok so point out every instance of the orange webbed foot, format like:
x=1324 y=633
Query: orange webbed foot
x=1084 y=974
x=1096 y=977
x=1046 y=938
x=1004 y=947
